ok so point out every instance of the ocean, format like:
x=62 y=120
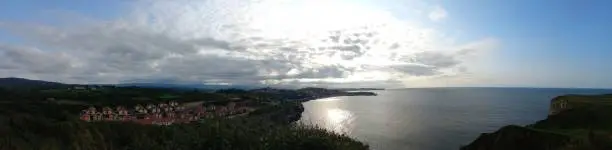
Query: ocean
x=431 y=118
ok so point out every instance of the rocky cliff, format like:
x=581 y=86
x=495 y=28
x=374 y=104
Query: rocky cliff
x=518 y=138
x=575 y=122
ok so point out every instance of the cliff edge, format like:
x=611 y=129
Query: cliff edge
x=574 y=122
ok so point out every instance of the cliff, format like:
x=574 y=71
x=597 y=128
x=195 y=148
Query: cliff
x=518 y=138
x=575 y=122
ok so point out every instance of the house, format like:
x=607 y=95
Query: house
x=140 y=109
x=98 y=116
x=173 y=104
x=89 y=114
x=143 y=111
x=85 y=115
x=179 y=108
x=91 y=110
x=107 y=110
x=109 y=114
x=121 y=110
x=162 y=105
x=122 y=114
x=150 y=106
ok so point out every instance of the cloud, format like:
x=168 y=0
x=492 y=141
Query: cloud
x=437 y=14
x=33 y=60
x=416 y=70
x=236 y=42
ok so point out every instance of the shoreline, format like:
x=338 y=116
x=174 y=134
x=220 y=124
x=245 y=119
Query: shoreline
x=359 y=93
x=573 y=122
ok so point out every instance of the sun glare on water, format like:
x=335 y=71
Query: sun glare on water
x=339 y=120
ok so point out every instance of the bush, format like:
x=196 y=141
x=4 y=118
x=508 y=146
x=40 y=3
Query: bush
x=45 y=126
x=236 y=134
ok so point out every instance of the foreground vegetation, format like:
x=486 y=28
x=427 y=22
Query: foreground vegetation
x=30 y=120
x=583 y=123
x=28 y=132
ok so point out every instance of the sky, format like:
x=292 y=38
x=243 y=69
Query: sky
x=299 y=43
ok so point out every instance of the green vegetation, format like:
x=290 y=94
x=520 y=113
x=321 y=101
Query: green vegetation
x=41 y=118
x=239 y=134
x=580 y=123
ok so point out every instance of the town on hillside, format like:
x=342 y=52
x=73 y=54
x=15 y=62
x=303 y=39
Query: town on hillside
x=159 y=106
x=48 y=115
x=173 y=112
x=164 y=113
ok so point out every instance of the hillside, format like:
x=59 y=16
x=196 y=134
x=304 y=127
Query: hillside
x=13 y=82
x=183 y=86
x=575 y=122
x=52 y=119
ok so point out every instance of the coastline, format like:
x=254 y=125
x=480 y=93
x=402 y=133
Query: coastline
x=574 y=122
x=356 y=93
x=299 y=109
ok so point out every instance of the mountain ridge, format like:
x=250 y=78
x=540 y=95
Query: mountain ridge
x=11 y=82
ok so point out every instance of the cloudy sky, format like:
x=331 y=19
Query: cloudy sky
x=329 y=43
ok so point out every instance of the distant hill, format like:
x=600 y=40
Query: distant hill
x=360 y=89
x=13 y=82
x=184 y=86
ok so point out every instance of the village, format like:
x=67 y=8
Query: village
x=227 y=103
x=165 y=113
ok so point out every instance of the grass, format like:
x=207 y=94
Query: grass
x=49 y=126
